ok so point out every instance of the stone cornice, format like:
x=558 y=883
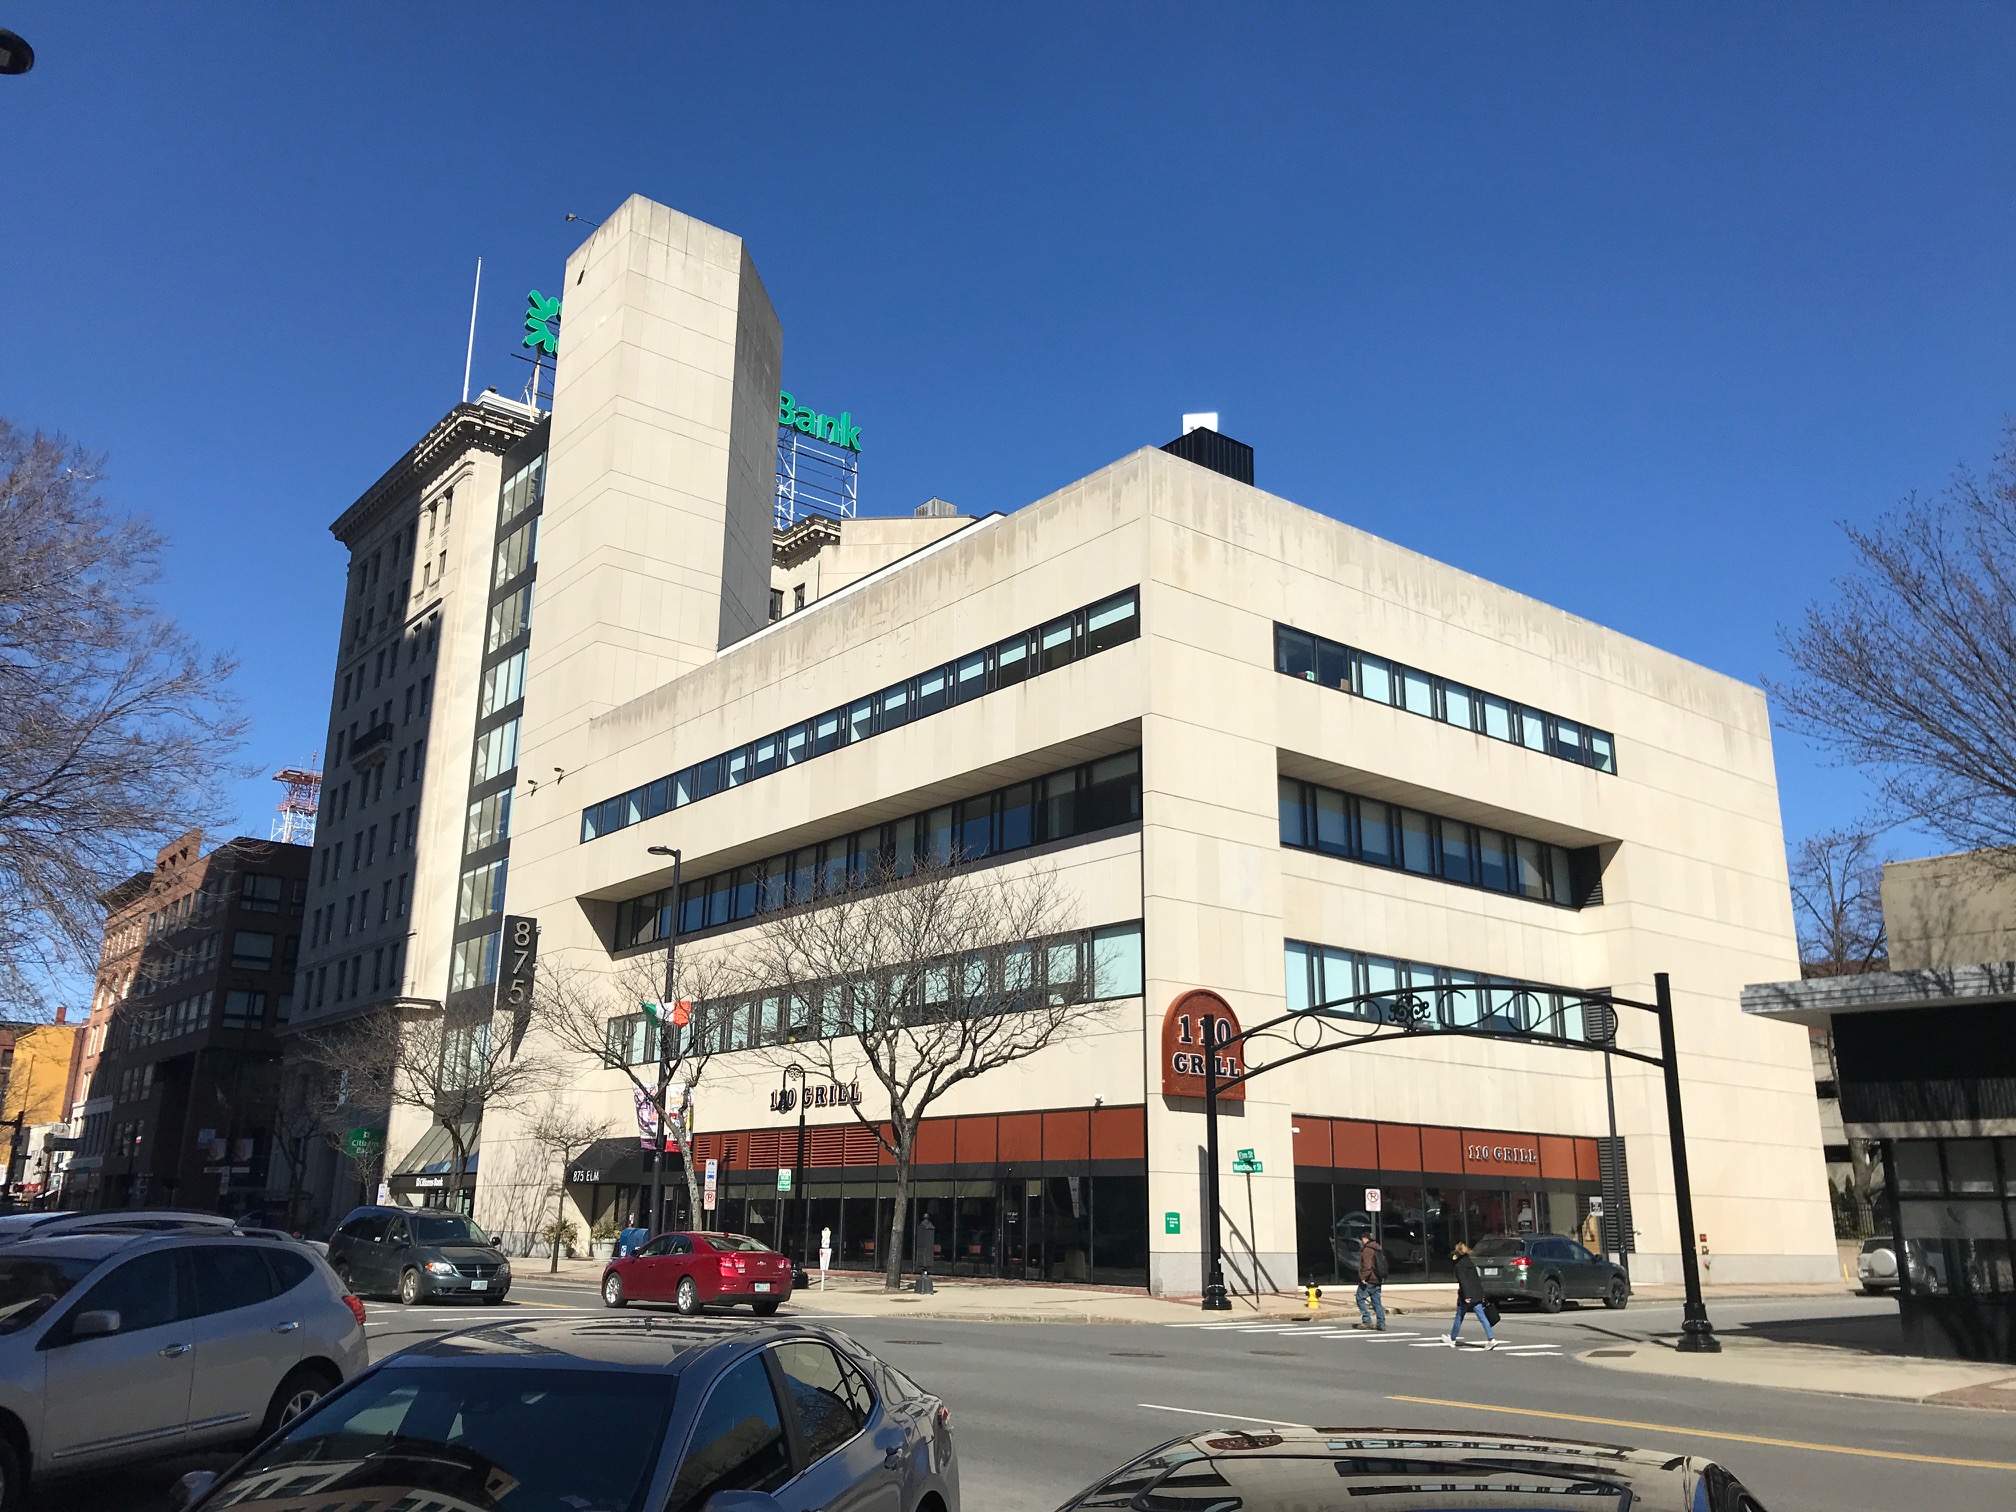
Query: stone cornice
x=467 y=427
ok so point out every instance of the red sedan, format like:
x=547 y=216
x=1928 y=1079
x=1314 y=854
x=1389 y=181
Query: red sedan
x=692 y=1270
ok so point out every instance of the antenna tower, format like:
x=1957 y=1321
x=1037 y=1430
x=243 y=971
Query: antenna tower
x=294 y=824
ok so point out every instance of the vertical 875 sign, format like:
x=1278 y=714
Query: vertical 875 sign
x=521 y=955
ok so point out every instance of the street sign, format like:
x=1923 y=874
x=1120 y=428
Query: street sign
x=713 y=1176
x=1172 y=1223
x=1244 y=1157
x=784 y=1178
x=360 y=1143
x=1247 y=1165
x=1595 y=1207
x=1374 y=1199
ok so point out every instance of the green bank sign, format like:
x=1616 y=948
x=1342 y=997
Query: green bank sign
x=841 y=432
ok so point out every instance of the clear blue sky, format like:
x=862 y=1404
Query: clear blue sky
x=1621 y=306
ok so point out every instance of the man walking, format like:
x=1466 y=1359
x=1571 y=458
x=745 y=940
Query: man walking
x=1469 y=1297
x=1371 y=1280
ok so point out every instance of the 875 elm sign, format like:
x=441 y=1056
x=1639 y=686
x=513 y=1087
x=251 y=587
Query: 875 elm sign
x=520 y=955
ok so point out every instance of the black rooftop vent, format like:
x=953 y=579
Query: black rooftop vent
x=1221 y=454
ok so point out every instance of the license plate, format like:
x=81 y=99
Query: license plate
x=762 y=1286
x=479 y=1286
x=1488 y=1270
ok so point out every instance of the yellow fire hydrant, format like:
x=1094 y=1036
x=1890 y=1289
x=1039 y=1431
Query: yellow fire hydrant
x=1315 y=1296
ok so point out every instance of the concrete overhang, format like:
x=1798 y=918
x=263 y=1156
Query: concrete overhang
x=1815 y=1001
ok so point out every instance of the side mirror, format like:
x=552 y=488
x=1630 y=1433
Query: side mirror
x=191 y=1487
x=742 y=1501
x=94 y=1323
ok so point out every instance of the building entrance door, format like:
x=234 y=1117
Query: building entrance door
x=1022 y=1229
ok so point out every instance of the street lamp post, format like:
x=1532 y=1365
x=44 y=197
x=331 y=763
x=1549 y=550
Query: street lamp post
x=798 y=1171
x=667 y=1004
x=1697 y=1335
x=1215 y=1299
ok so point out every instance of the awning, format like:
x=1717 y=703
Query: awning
x=617 y=1162
x=430 y=1164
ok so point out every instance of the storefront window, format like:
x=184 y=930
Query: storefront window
x=1120 y=1230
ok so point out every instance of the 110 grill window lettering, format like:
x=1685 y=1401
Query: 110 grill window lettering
x=1311 y=658
x=1076 y=801
x=1068 y=638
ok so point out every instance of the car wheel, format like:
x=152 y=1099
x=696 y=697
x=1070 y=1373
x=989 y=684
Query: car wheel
x=763 y=1309
x=688 y=1296
x=10 y=1477
x=410 y=1287
x=1550 y=1296
x=1618 y=1295
x=303 y=1388
x=612 y=1291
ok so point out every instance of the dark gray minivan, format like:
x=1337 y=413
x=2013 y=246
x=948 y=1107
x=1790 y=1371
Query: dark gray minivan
x=417 y=1253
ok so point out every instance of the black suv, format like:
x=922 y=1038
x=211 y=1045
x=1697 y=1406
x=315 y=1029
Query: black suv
x=1548 y=1269
x=417 y=1253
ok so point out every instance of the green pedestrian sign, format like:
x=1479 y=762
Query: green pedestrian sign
x=1172 y=1223
x=784 y=1178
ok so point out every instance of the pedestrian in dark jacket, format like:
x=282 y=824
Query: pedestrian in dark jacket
x=1371 y=1281
x=1469 y=1297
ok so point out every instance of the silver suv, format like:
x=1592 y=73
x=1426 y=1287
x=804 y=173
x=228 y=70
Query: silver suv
x=117 y=1347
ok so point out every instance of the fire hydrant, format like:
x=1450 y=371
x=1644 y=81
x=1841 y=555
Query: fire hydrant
x=1315 y=1296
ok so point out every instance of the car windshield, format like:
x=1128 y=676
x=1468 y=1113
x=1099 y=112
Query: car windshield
x=1871 y=1246
x=1487 y=1248
x=480 y=1437
x=736 y=1242
x=29 y=1287
x=445 y=1228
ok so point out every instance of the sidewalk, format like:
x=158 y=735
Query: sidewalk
x=974 y=1300
x=1827 y=1368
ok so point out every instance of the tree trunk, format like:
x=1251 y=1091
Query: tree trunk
x=899 y=1217
x=559 y=1214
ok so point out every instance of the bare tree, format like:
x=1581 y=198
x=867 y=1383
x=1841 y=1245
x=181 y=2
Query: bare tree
x=561 y=1129
x=1910 y=671
x=1837 y=903
x=454 y=1069
x=924 y=978
x=600 y=1017
x=115 y=732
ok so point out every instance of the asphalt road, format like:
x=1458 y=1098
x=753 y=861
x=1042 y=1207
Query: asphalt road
x=1040 y=1410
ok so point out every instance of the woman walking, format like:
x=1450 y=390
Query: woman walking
x=1469 y=1297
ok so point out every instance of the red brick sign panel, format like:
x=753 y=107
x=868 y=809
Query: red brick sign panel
x=1183 y=1046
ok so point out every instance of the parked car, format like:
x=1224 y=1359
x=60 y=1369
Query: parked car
x=116 y=1347
x=553 y=1415
x=1876 y=1266
x=1288 y=1469
x=257 y=1232
x=693 y=1271
x=417 y=1253
x=1547 y=1270
x=17 y=1226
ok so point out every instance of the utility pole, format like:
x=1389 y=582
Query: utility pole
x=798 y=1171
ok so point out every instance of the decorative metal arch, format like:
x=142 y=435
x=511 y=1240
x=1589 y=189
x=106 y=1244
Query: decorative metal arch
x=1374 y=1018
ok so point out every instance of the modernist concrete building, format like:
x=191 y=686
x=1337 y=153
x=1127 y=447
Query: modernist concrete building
x=1262 y=752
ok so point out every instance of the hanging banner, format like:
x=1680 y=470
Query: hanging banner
x=1183 y=1030
x=647 y=1117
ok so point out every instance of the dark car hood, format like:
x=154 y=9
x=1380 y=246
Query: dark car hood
x=481 y=1254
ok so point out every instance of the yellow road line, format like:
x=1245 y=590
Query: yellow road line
x=1741 y=1438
